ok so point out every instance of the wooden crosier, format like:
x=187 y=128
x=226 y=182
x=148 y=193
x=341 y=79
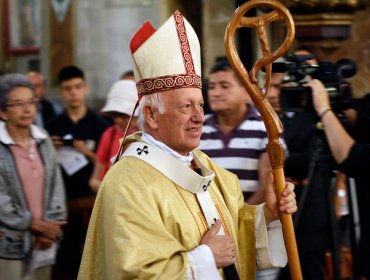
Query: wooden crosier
x=273 y=125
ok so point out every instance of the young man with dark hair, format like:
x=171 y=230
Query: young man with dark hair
x=75 y=134
x=78 y=129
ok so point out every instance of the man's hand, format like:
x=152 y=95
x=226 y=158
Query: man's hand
x=57 y=141
x=222 y=247
x=320 y=96
x=286 y=204
x=81 y=147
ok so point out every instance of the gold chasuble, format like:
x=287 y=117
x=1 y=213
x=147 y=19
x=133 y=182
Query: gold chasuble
x=143 y=224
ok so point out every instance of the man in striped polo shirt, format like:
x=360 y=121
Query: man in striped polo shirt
x=234 y=135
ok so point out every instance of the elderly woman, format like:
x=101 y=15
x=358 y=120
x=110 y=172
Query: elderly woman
x=32 y=198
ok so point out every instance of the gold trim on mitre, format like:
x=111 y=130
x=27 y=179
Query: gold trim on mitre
x=167 y=58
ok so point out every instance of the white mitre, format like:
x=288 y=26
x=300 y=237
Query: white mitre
x=167 y=58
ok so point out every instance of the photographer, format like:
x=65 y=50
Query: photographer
x=312 y=226
x=353 y=159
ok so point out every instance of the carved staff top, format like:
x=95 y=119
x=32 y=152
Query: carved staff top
x=258 y=95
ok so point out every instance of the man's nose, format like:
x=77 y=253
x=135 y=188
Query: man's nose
x=198 y=114
x=216 y=90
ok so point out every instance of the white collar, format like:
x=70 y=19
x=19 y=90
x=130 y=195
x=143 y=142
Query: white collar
x=186 y=160
x=5 y=138
x=172 y=168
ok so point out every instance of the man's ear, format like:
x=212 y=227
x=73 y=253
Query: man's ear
x=150 y=117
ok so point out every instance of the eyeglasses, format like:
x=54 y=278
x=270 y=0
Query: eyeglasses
x=23 y=104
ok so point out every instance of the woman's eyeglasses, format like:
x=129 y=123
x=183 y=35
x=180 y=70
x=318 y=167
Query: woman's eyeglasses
x=23 y=104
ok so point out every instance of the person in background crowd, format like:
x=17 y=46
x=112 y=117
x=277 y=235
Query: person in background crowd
x=121 y=101
x=47 y=110
x=353 y=159
x=33 y=207
x=307 y=166
x=76 y=133
x=128 y=75
x=234 y=135
x=164 y=209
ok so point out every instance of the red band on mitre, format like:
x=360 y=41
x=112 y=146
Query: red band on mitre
x=153 y=85
x=141 y=36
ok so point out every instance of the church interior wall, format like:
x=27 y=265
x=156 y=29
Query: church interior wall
x=102 y=31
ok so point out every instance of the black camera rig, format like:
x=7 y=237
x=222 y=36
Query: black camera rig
x=295 y=97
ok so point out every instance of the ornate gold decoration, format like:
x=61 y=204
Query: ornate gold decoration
x=305 y=6
x=323 y=19
x=323 y=25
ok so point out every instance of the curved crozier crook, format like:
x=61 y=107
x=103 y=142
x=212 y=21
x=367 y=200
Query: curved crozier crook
x=282 y=14
x=279 y=13
x=238 y=20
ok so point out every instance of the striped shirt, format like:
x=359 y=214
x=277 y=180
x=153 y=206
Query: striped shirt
x=239 y=151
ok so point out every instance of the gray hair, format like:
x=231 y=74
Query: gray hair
x=9 y=82
x=155 y=101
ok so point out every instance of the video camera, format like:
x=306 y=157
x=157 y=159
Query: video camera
x=294 y=97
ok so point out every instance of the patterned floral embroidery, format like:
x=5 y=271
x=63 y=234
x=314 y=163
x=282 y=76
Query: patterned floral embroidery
x=184 y=43
x=152 y=85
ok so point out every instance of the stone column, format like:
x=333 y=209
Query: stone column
x=216 y=15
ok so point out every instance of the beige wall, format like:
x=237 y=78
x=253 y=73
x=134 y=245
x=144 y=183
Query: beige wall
x=103 y=52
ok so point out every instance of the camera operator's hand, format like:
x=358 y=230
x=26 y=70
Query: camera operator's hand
x=339 y=141
x=320 y=96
